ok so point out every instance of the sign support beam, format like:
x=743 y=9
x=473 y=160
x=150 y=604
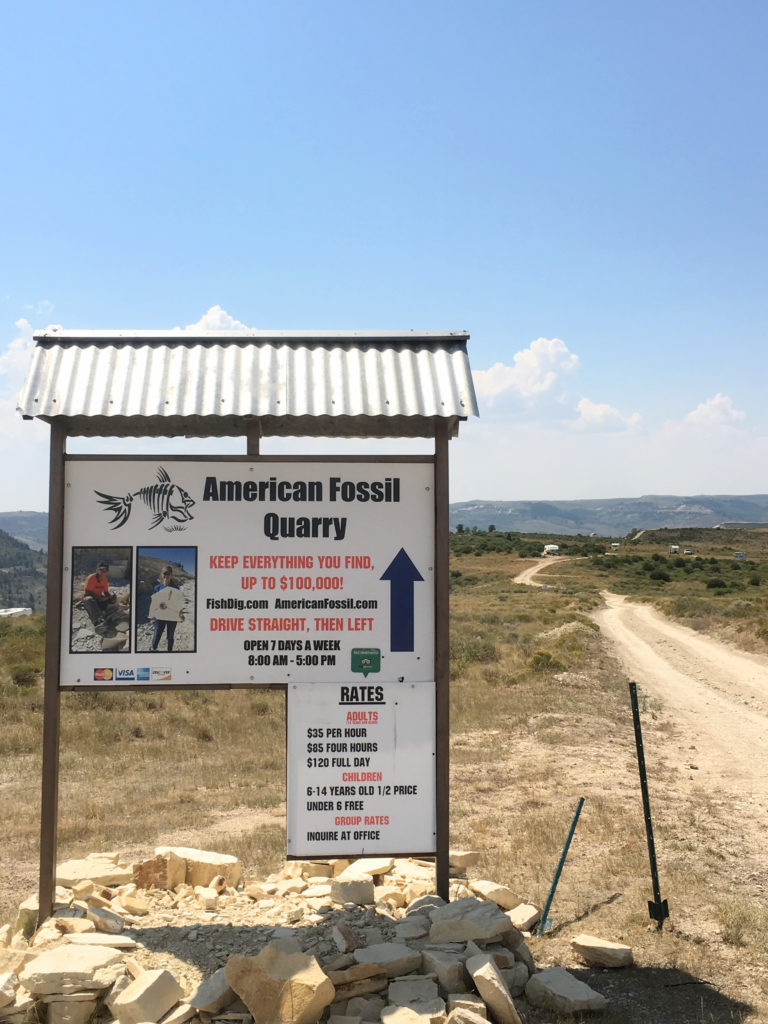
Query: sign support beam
x=253 y=437
x=49 y=811
x=442 y=660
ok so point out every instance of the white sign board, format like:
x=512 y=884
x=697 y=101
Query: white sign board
x=361 y=769
x=282 y=571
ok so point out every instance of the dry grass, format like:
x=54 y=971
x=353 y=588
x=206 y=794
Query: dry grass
x=138 y=766
x=530 y=735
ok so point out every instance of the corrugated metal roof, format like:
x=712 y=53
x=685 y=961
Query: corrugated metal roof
x=300 y=383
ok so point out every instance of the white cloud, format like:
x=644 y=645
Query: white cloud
x=215 y=319
x=715 y=412
x=553 y=461
x=39 y=309
x=22 y=443
x=601 y=416
x=14 y=362
x=535 y=370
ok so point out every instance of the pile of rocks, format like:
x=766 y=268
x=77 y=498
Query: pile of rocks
x=182 y=937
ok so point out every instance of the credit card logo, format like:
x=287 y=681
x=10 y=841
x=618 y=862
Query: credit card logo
x=102 y=675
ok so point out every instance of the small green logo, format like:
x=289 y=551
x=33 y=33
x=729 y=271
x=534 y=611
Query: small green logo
x=366 y=659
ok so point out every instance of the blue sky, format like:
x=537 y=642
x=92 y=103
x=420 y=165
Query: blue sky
x=186 y=557
x=581 y=185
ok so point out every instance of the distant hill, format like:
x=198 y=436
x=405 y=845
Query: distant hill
x=612 y=517
x=29 y=527
x=22 y=575
x=607 y=517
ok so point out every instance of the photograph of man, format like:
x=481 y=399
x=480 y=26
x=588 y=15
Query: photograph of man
x=166 y=608
x=101 y=599
x=97 y=597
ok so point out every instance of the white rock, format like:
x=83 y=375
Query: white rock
x=204 y=865
x=368 y=1008
x=555 y=989
x=414 y=927
x=102 y=868
x=407 y=1015
x=8 y=985
x=448 y=968
x=390 y=893
x=524 y=916
x=466 y=1015
x=105 y=920
x=372 y=865
x=148 y=997
x=100 y=939
x=344 y=938
x=601 y=952
x=500 y=894
x=468 y=919
x=180 y=1014
x=492 y=987
x=347 y=888
x=213 y=994
x=394 y=957
x=71 y=968
x=516 y=978
x=463 y=858
x=71 y=1011
x=468 y=1002
x=410 y=991
x=207 y=898
x=415 y=889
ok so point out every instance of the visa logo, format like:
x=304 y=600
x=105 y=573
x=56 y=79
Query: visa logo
x=125 y=673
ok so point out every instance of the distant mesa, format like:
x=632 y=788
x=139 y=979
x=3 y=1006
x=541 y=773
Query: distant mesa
x=607 y=517
x=614 y=517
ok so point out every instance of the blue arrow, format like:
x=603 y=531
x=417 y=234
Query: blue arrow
x=402 y=574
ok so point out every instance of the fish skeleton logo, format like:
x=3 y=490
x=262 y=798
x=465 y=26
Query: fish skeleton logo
x=169 y=504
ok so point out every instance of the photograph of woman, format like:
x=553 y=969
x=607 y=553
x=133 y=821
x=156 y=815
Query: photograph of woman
x=165 y=599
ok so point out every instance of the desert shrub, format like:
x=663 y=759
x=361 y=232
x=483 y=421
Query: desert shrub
x=685 y=605
x=23 y=674
x=260 y=707
x=661 y=575
x=738 y=610
x=754 y=581
x=468 y=649
x=716 y=583
x=545 y=663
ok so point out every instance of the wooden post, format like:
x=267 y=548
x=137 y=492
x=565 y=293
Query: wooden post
x=253 y=436
x=49 y=810
x=442 y=658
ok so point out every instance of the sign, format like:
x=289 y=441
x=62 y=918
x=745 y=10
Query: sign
x=268 y=571
x=361 y=769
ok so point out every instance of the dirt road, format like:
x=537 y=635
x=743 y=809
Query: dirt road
x=529 y=575
x=716 y=696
